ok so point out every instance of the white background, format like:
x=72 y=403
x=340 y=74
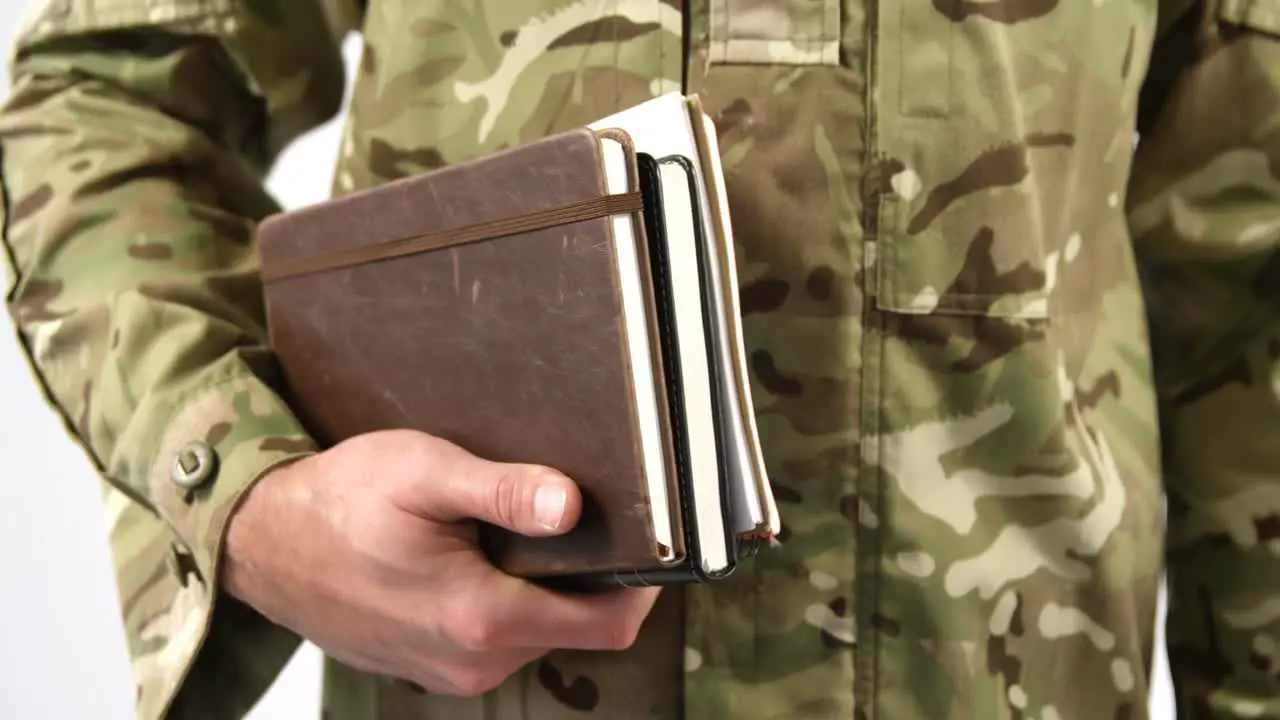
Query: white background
x=62 y=654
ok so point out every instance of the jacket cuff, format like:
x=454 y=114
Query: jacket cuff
x=224 y=436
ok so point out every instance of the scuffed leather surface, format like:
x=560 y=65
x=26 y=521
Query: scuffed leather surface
x=511 y=348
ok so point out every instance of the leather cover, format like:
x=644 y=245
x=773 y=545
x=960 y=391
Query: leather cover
x=513 y=348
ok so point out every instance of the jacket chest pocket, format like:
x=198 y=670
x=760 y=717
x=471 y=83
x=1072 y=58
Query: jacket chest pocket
x=775 y=32
x=1003 y=133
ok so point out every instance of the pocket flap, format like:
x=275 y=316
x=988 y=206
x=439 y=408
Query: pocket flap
x=47 y=20
x=792 y=32
x=1261 y=15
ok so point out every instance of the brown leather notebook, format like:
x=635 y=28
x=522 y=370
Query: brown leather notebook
x=525 y=305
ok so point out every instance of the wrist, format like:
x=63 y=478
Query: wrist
x=249 y=541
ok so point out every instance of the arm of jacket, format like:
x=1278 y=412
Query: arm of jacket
x=1205 y=210
x=134 y=147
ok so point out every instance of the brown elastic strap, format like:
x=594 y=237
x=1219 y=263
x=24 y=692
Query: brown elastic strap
x=541 y=220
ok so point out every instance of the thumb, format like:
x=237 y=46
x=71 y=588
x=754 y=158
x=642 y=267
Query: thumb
x=524 y=498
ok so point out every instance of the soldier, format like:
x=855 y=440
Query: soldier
x=989 y=339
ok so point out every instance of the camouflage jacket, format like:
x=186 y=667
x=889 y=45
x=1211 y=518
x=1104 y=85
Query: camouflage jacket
x=1009 y=366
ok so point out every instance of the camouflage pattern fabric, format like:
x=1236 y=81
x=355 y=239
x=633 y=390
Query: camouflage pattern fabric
x=989 y=338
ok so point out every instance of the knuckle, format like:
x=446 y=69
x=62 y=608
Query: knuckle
x=424 y=451
x=473 y=681
x=635 y=624
x=400 y=443
x=468 y=625
x=477 y=635
x=508 y=496
x=623 y=634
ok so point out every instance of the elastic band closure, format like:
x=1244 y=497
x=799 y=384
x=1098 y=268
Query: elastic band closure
x=541 y=220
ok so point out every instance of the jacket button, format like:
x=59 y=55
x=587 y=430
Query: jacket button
x=193 y=465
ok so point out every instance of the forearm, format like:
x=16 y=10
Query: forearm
x=1206 y=214
x=132 y=180
x=1223 y=436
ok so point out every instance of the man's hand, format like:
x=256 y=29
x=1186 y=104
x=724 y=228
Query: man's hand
x=369 y=551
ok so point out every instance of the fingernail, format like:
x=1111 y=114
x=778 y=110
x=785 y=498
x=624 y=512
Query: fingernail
x=548 y=505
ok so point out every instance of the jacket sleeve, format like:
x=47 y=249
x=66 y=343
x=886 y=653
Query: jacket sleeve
x=133 y=150
x=1205 y=210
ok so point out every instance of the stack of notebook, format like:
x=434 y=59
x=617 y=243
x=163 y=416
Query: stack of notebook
x=571 y=302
